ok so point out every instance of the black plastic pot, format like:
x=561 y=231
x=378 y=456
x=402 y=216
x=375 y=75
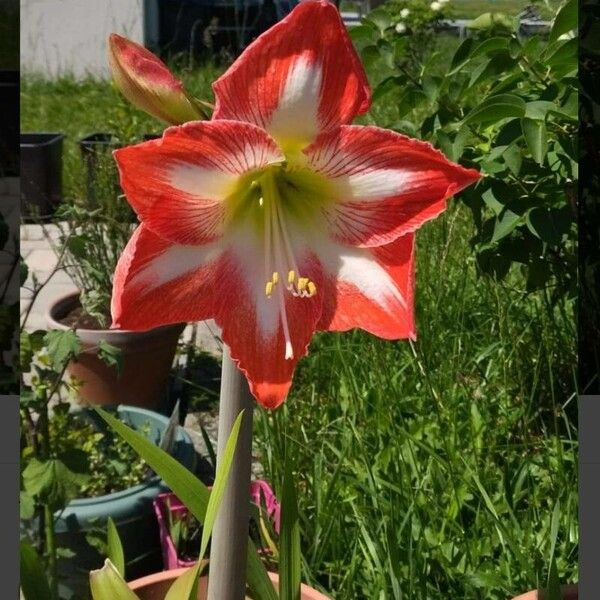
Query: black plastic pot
x=41 y=173
x=96 y=149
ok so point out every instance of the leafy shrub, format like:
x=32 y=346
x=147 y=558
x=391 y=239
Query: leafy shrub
x=508 y=106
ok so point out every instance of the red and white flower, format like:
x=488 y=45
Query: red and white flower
x=278 y=218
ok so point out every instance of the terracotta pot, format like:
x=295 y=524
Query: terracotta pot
x=147 y=360
x=155 y=586
x=569 y=592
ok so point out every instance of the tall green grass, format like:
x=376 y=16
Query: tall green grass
x=432 y=470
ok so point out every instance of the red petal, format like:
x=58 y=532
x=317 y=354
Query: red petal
x=251 y=326
x=370 y=288
x=300 y=77
x=178 y=184
x=385 y=184
x=157 y=282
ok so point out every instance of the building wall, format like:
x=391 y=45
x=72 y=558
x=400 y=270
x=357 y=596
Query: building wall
x=69 y=36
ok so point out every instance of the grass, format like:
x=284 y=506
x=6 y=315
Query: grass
x=444 y=468
x=80 y=107
x=469 y=9
x=432 y=470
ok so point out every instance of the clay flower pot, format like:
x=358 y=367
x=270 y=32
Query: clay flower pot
x=147 y=360
x=155 y=586
x=569 y=592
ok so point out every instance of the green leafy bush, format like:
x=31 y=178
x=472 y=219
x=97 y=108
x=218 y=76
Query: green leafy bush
x=508 y=106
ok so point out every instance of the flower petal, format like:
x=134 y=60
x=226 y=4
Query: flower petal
x=157 y=282
x=178 y=184
x=369 y=288
x=384 y=185
x=251 y=322
x=148 y=84
x=297 y=79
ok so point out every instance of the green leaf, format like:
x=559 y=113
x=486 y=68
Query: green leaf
x=363 y=33
x=76 y=245
x=220 y=483
x=23 y=272
x=52 y=481
x=193 y=493
x=461 y=56
x=497 y=107
x=115 y=548
x=565 y=21
x=111 y=355
x=538 y=109
x=536 y=137
x=549 y=225
x=26 y=505
x=492 y=19
x=185 y=587
x=62 y=347
x=490 y=46
x=30 y=343
x=289 y=541
x=387 y=85
x=505 y=224
x=107 y=584
x=380 y=18
x=513 y=158
x=34 y=581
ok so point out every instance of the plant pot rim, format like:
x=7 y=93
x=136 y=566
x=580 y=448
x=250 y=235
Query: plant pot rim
x=55 y=135
x=153 y=481
x=172 y=574
x=68 y=300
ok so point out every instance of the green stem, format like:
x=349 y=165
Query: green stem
x=48 y=514
x=50 y=537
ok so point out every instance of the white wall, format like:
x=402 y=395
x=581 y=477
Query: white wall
x=69 y=36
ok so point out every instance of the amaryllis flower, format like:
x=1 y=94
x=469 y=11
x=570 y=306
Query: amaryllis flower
x=278 y=218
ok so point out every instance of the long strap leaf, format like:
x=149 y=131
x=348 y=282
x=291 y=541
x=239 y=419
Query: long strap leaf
x=193 y=493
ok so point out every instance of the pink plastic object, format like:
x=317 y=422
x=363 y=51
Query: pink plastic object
x=271 y=504
x=169 y=501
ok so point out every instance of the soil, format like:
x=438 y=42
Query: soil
x=79 y=319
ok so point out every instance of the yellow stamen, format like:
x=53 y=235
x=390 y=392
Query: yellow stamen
x=269 y=288
x=275 y=277
x=312 y=288
x=291 y=276
x=302 y=281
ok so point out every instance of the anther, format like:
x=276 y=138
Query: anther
x=269 y=288
x=312 y=288
x=302 y=282
x=275 y=277
x=291 y=276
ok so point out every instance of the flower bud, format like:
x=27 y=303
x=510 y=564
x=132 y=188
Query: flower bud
x=148 y=84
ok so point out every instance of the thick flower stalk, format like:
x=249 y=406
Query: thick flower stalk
x=277 y=217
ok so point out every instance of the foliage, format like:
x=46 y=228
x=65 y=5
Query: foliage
x=63 y=456
x=507 y=106
x=432 y=468
x=589 y=217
